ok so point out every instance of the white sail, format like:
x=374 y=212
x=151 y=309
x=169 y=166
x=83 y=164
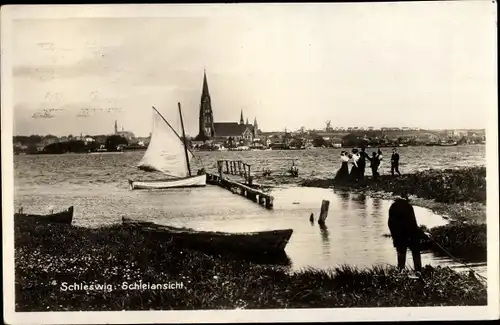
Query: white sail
x=165 y=152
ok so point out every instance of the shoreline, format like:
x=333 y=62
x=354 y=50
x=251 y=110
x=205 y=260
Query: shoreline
x=457 y=195
x=51 y=257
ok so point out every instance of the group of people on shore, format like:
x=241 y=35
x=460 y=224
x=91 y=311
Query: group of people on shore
x=403 y=226
x=358 y=159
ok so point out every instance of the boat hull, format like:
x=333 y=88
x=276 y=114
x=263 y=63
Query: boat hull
x=193 y=181
x=59 y=217
x=272 y=242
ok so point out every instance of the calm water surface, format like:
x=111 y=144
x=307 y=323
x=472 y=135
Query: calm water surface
x=96 y=184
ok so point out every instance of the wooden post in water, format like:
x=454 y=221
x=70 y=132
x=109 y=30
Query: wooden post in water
x=227 y=167
x=269 y=202
x=239 y=168
x=324 y=212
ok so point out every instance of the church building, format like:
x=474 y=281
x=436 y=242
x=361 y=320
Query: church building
x=221 y=131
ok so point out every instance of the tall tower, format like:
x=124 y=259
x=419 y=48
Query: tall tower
x=255 y=127
x=116 y=126
x=241 y=118
x=207 y=129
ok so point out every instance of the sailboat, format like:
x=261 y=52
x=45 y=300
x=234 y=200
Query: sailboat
x=168 y=154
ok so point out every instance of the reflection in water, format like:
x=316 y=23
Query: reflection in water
x=377 y=205
x=344 y=197
x=325 y=242
x=361 y=199
x=324 y=234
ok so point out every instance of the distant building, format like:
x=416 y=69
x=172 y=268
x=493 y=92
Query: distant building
x=210 y=130
x=126 y=134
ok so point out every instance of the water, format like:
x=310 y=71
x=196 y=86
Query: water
x=96 y=184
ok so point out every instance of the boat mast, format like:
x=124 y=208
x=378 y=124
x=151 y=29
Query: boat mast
x=184 y=140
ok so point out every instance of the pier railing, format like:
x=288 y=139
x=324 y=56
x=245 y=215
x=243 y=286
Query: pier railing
x=234 y=167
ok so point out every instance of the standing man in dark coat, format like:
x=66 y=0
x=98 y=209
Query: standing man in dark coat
x=375 y=163
x=362 y=164
x=395 y=162
x=405 y=232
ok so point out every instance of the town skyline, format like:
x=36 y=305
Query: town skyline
x=300 y=66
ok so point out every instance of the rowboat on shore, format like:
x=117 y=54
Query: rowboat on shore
x=273 y=241
x=448 y=144
x=58 y=217
x=169 y=155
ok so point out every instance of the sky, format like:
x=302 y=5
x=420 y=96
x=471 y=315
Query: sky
x=428 y=65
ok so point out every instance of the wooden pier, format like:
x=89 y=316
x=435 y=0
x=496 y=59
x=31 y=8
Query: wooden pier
x=244 y=190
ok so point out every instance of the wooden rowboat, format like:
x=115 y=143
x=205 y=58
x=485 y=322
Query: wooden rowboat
x=59 y=217
x=273 y=241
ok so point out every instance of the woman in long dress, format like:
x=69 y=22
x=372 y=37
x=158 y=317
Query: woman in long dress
x=343 y=172
x=354 y=175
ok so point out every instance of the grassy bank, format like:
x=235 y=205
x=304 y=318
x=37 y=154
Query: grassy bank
x=465 y=240
x=47 y=256
x=446 y=186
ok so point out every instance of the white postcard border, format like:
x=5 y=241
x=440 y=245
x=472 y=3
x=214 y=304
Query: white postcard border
x=10 y=13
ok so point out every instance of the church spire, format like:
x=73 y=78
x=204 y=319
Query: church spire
x=116 y=126
x=241 y=117
x=255 y=127
x=247 y=121
x=206 y=121
x=205 y=93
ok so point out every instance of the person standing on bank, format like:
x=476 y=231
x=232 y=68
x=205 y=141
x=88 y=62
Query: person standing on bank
x=354 y=174
x=362 y=163
x=374 y=164
x=395 y=162
x=343 y=172
x=405 y=232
